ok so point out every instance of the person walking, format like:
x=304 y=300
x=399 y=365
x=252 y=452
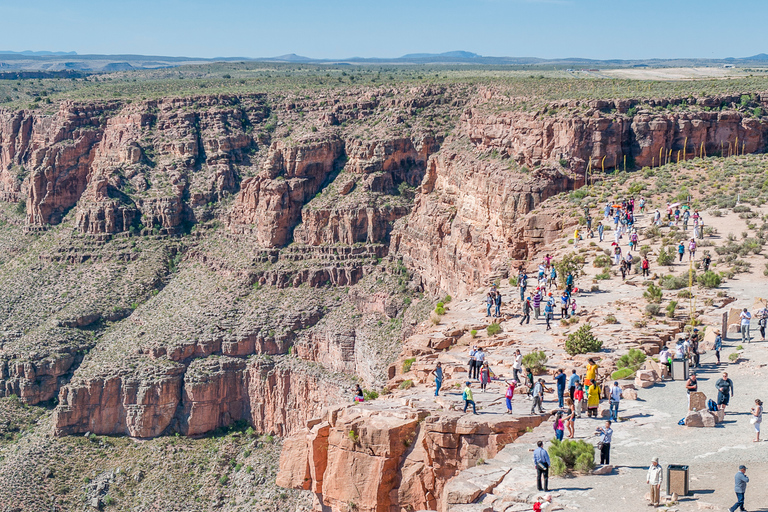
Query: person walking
x=762 y=319
x=757 y=418
x=497 y=304
x=526 y=316
x=718 y=345
x=745 y=317
x=537 y=304
x=485 y=376
x=472 y=367
x=605 y=442
x=741 y=481
x=558 y=426
x=692 y=249
x=654 y=478
x=549 y=313
x=538 y=396
x=438 y=373
x=509 y=394
x=569 y=283
x=561 y=380
x=600 y=230
x=479 y=360
x=552 y=279
x=517 y=366
x=646 y=267
x=681 y=250
x=707 y=260
x=541 y=462
x=468 y=398
x=614 y=401
x=522 y=282
x=564 y=306
x=488 y=304
x=724 y=391
x=591 y=370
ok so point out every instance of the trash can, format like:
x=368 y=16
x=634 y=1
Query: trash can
x=677 y=479
x=679 y=369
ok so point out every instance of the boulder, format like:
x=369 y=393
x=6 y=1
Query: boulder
x=647 y=375
x=694 y=419
x=629 y=394
x=603 y=470
x=643 y=383
x=698 y=401
x=708 y=418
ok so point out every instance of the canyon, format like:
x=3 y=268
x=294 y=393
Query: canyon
x=182 y=264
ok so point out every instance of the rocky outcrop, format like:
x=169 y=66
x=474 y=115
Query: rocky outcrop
x=274 y=396
x=608 y=131
x=387 y=458
x=464 y=225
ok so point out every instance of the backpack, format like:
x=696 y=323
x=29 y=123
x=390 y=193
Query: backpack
x=711 y=405
x=464 y=395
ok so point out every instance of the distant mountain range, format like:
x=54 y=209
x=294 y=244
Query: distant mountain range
x=51 y=61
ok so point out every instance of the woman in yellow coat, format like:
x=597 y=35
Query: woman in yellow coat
x=591 y=370
x=593 y=399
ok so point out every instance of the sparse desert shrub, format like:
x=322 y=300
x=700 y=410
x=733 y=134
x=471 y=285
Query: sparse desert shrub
x=611 y=319
x=632 y=360
x=622 y=373
x=582 y=341
x=601 y=260
x=406 y=384
x=605 y=274
x=653 y=294
x=709 y=279
x=493 y=329
x=671 y=308
x=671 y=282
x=370 y=395
x=408 y=363
x=434 y=318
x=535 y=361
x=473 y=333
x=571 y=452
x=684 y=294
x=733 y=357
x=645 y=250
x=665 y=257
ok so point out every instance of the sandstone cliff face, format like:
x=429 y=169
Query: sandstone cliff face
x=387 y=459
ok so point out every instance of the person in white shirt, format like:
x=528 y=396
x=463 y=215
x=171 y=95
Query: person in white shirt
x=517 y=367
x=745 y=316
x=654 y=478
x=614 y=401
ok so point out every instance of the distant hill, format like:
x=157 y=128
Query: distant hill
x=29 y=52
x=759 y=56
x=455 y=55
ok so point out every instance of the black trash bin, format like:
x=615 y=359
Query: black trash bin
x=677 y=479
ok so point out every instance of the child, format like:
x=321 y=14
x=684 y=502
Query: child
x=578 y=397
x=573 y=306
x=485 y=376
x=467 y=396
x=558 y=426
x=509 y=394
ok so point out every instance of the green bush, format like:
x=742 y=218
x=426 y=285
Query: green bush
x=440 y=310
x=582 y=341
x=585 y=463
x=447 y=299
x=535 y=361
x=557 y=468
x=513 y=282
x=573 y=452
x=684 y=294
x=665 y=257
x=406 y=384
x=408 y=363
x=611 y=319
x=605 y=274
x=632 y=360
x=493 y=329
x=709 y=279
x=671 y=308
x=652 y=309
x=622 y=374
x=572 y=263
x=671 y=282
x=370 y=395
x=645 y=250
x=653 y=294
x=733 y=357
x=473 y=333
x=601 y=260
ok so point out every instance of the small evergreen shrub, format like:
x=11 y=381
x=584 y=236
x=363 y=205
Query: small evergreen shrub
x=653 y=294
x=632 y=360
x=493 y=329
x=709 y=279
x=572 y=453
x=535 y=361
x=665 y=257
x=408 y=363
x=582 y=341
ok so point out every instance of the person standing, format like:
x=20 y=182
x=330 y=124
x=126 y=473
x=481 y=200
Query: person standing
x=468 y=398
x=510 y=393
x=591 y=370
x=497 y=303
x=573 y=383
x=552 y=279
x=558 y=426
x=762 y=319
x=692 y=249
x=718 y=345
x=569 y=283
x=740 y=487
x=600 y=230
x=745 y=317
x=570 y=419
x=578 y=398
x=438 y=373
x=549 y=313
x=541 y=461
x=724 y=391
x=707 y=260
x=485 y=376
x=517 y=367
x=479 y=360
x=681 y=250
x=593 y=399
x=488 y=304
x=757 y=418
x=526 y=316
x=646 y=266
x=605 y=442
x=654 y=478
x=537 y=304
x=523 y=284
x=614 y=402
x=560 y=379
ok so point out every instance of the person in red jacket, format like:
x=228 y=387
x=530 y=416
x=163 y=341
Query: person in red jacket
x=646 y=266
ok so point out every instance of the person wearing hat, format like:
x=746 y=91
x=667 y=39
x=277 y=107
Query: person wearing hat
x=741 y=487
x=468 y=399
x=718 y=344
x=654 y=478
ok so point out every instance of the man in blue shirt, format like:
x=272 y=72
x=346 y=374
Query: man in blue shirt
x=573 y=381
x=541 y=461
x=560 y=378
x=740 y=488
x=606 y=434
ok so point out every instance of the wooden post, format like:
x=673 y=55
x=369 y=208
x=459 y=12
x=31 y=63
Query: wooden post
x=685 y=145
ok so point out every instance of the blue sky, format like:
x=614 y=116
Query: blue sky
x=600 y=29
